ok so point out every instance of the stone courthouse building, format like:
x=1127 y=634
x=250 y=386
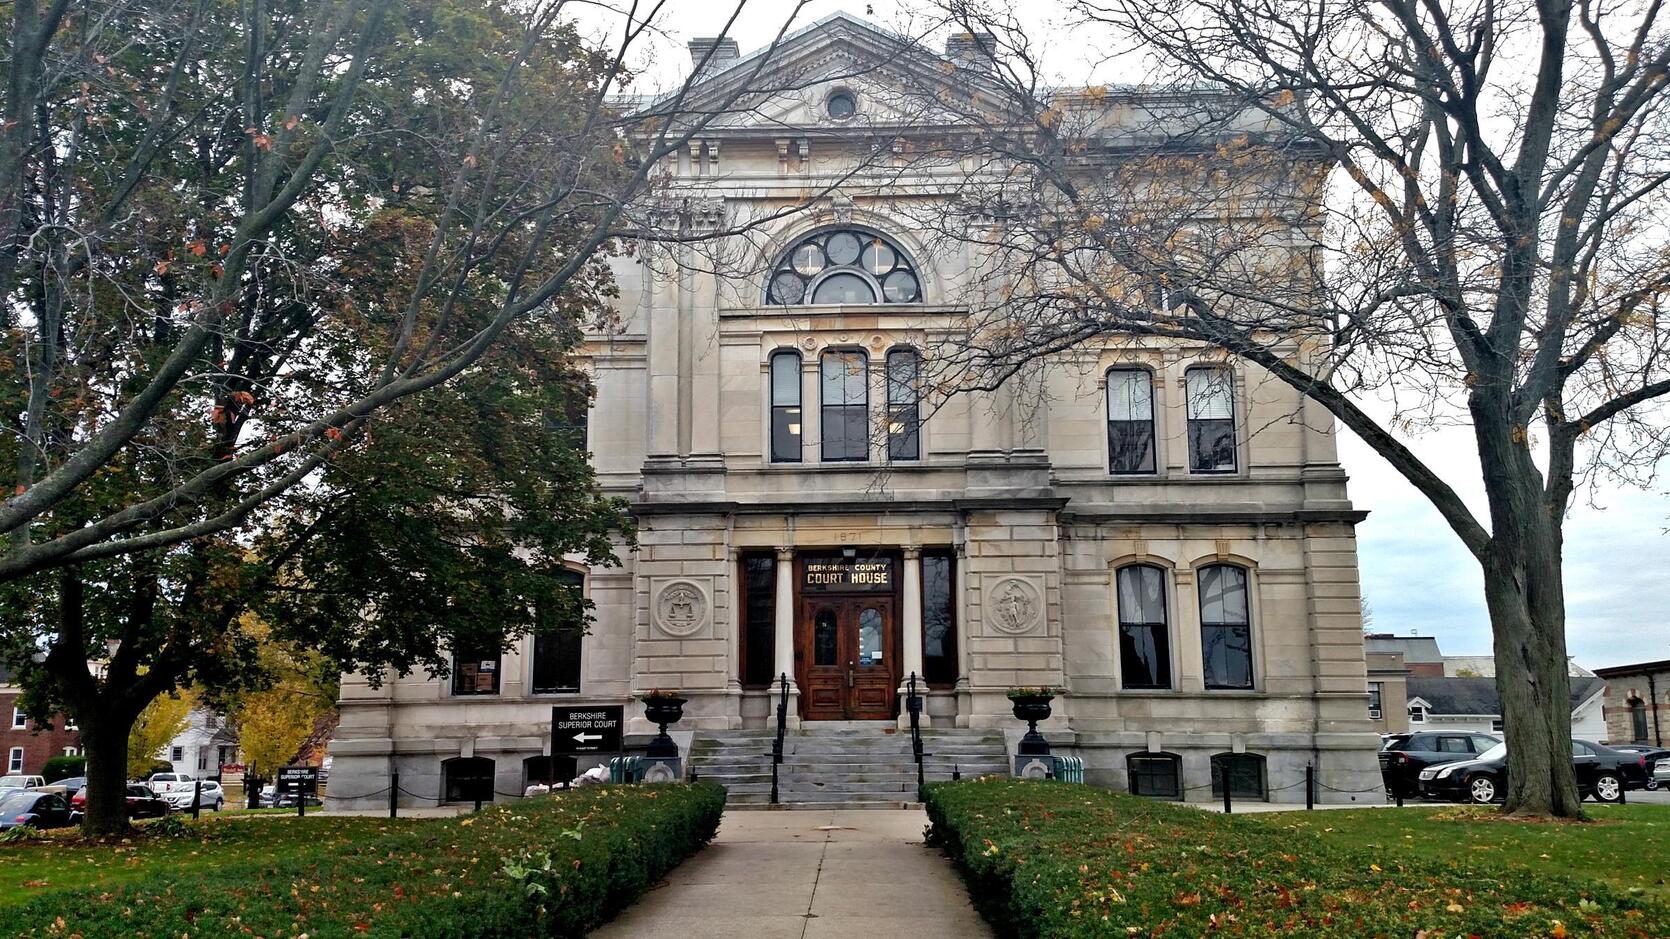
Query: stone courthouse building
x=1165 y=537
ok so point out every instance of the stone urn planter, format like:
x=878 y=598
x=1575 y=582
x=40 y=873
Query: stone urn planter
x=1032 y=705
x=662 y=708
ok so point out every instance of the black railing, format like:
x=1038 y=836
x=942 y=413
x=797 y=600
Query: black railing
x=913 y=706
x=782 y=723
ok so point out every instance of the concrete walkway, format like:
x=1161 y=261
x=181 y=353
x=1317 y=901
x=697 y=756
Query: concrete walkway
x=809 y=875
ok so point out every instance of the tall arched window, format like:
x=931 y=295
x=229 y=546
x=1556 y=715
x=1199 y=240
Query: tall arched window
x=846 y=406
x=1144 y=635
x=843 y=265
x=1225 y=627
x=785 y=407
x=1638 y=719
x=904 y=414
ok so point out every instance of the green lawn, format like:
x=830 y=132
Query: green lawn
x=64 y=860
x=1627 y=845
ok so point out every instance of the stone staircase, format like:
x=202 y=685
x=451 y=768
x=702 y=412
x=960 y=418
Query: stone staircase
x=841 y=765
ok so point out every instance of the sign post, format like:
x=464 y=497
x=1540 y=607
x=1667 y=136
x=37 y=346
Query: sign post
x=301 y=780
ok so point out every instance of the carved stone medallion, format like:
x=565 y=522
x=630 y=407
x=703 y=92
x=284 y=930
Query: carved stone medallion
x=1013 y=605
x=680 y=608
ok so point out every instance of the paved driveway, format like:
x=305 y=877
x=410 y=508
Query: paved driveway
x=805 y=875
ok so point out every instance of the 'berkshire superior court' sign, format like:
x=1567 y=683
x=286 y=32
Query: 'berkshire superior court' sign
x=848 y=574
x=593 y=729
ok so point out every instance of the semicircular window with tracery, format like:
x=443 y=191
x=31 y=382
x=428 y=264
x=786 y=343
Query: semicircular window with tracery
x=843 y=265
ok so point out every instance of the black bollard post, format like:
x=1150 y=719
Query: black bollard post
x=301 y=804
x=956 y=772
x=394 y=794
x=196 y=798
x=1397 y=796
x=1224 y=772
x=1310 y=787
x=478 y=803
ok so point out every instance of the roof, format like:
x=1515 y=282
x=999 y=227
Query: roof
x=1415 y=649
x=1640 y=668
x=1484 y=666
x=1477 y=696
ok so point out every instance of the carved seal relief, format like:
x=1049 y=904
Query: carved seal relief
x=1014 y=605
x=681 y=608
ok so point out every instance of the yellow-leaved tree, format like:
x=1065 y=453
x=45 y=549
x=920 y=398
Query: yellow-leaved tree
x=161 y=721
x=273 y=721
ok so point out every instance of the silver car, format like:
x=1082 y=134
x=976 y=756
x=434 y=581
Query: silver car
x=212 y=799
x=1660 y=776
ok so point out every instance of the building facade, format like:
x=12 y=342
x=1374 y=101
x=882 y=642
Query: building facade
x=26 y=745
x=1638 y=703
x=1163 y=535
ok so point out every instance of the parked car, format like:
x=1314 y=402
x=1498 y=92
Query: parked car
x=1602 y=773
x=26 y=808
x=1403 y=756
x=68 y=787
x=273 y=799
x=211 y=797
x=143 y=802
x=20 y=781
x=165 y=783
x=1657 y=763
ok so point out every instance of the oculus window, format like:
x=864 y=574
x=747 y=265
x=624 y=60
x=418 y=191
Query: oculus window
x=846 y=406
x=1144 y=634
x=844 y=265
x=1130 y=421
x=1225 y=628
x=904 y=412
x=1211 y=406
x=785 y=407
x=556 y=643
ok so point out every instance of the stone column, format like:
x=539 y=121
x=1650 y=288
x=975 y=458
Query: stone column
x=783 y=637
x=911 y=655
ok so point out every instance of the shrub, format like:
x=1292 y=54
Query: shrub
x=552 y=865
x=64 y=767
x=1055 y=860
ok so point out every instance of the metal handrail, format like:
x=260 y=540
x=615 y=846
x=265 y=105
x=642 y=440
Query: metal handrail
x=782 y=722
x=913 y=705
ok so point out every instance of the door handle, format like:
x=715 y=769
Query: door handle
x=850 y=673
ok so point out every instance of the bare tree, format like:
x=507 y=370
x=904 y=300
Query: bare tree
x=1458 y=205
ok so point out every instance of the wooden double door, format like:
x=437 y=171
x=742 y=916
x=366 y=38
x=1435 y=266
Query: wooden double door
x=847 y=657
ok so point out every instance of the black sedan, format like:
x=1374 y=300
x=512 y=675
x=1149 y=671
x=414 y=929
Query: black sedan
x=1602 y=773
x=1403 y=756
x=25 y=808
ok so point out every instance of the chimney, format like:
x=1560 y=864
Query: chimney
x=971 y=50
x=724 y=53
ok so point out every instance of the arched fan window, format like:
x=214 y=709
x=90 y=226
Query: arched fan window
x=843 y=265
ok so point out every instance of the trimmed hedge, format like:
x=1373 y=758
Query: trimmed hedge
x=552 y=865
x=1054 y=860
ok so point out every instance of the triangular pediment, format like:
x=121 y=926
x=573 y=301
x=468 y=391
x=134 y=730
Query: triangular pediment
x=894 y=81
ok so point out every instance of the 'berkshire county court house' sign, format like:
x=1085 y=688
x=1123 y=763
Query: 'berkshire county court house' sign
x=849 y=574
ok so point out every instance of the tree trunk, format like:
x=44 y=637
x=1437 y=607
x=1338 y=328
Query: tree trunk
x=104 y=740
x=1525 y=595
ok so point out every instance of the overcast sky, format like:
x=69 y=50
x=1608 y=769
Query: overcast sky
x=1416 y=575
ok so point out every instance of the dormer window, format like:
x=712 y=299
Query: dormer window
x=843 y=266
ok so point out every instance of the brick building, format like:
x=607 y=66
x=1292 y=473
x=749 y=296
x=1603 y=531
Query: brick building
x=1637 y=704
x=24 y=745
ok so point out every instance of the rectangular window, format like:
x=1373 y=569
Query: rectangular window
x=15 y=763
x=1155 y=775
x=1225 y=629
x=1211 y=404
x=19 y=720
x=785 y=407
x=176 y=754
x=759 y=620
x=904 y=413
x=71 y=751
x=475 y=671
x=557 y=641
x=1144 y=635
x=1374 y=689
x=1130 y=421
x=1417 y=714
x=939 y=618
x=846 y=407
x=69 y=723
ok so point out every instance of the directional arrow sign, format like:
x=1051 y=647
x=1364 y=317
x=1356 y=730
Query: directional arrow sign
x=581 y=729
